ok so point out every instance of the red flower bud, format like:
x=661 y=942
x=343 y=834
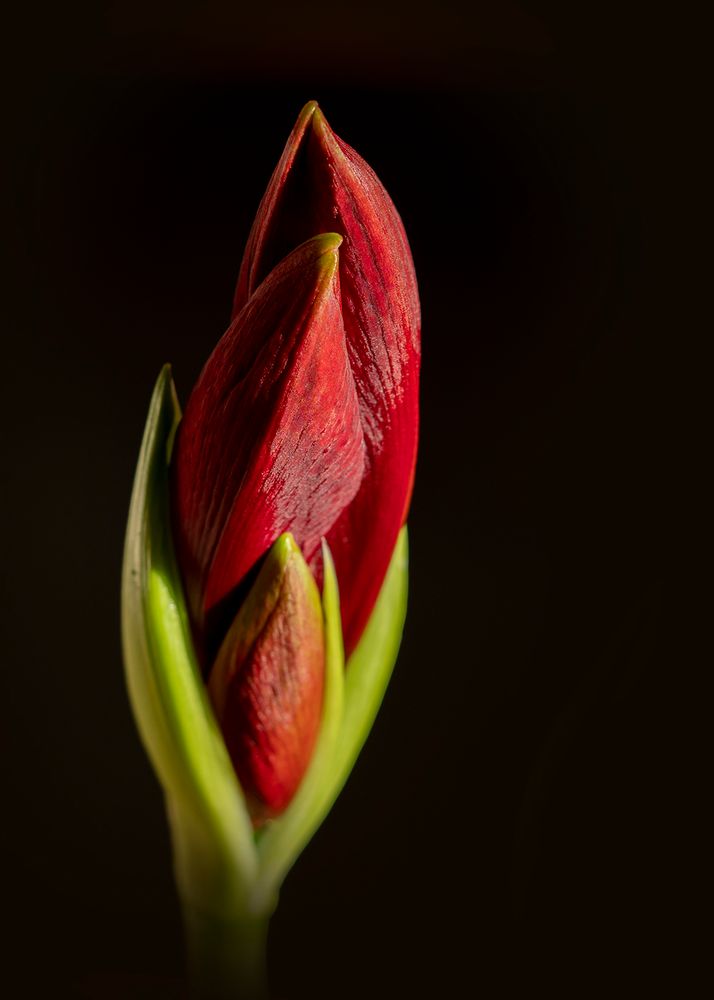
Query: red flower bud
x=320 y=185
x=303 y=420
x=266 y=684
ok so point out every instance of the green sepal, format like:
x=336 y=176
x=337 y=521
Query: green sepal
x=370 y=667
x=214 y=849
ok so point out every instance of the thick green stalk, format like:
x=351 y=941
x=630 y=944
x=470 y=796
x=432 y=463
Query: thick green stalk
x=226 y=956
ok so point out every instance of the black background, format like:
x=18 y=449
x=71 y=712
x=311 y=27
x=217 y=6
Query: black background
x=517 y=819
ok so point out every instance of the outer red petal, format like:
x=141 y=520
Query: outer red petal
x=321 y=183
x=271 y=439
x=266 y=685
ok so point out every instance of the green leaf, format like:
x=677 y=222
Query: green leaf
x=215 y=854
x=370 y=666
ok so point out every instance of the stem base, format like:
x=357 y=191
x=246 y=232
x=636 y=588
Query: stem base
x=226 y=956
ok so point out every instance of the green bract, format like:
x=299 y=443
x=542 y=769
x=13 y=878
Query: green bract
x=228 y=875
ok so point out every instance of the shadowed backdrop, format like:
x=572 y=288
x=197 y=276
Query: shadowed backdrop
x=511 y=823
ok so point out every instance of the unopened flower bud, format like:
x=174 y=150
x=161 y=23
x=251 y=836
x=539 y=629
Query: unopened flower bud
x=266 y=684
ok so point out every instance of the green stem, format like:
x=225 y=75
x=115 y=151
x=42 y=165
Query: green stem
x=227 y=956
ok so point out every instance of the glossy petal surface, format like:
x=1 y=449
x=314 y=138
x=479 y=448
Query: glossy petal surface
x=271 y=440
x=322 y=184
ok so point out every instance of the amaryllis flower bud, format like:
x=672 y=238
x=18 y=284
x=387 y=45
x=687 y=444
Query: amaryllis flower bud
x=266 y=684
x=266 y=526
x=322 y=185
x=304 y=420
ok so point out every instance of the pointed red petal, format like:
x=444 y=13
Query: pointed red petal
x=271 y=439
x=319 y=183
x=266 y=685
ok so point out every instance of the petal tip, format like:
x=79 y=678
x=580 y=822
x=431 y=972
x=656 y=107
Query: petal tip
x=328 y=242
x=327 y=251
x=308 y=111
x=319 y=124
x=283 y=549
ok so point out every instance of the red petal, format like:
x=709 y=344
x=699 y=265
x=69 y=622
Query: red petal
x=271 y=439
x=267 y=682
x=321 y=183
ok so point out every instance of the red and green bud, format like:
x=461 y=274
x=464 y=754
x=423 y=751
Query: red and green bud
x=266 y=526
x=304 y=420
x=266 y=684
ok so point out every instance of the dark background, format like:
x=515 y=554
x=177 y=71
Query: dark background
x=518 y=819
